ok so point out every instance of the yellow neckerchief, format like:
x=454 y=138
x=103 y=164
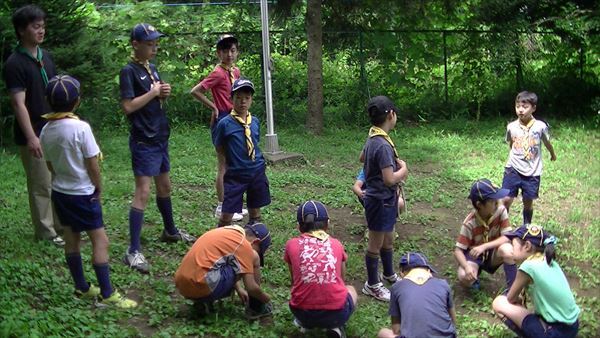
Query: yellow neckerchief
x=525 y=142
x=376 y=131
x=60 y=116
x=229 y=71
x=418 y=275
x=146 y=65
x=486 y=224
x=247 y=132
x=319 y=234
x=538 y=256
x=67 y=115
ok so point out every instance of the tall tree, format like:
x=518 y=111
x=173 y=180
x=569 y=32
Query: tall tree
x=314 y=30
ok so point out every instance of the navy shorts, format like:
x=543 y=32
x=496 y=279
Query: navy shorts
x=513 y=181
x=381 y=214
x=79 y=212
x=149 y=159
x=484 y=261
x=222 y=115
x=325 y=319
x=224 y=288
x=532 y=327
x=256 y=188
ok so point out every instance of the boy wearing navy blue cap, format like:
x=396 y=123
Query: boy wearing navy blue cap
x=236 y=138
x=421 y=305
x=72 y=157
x=317 y=263
x=481 y=244
x=383 y=172
x=219 y=82
x=26 y=73
x=142 y=96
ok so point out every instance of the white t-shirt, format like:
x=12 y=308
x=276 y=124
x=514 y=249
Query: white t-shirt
x=66 y=143
x=526 y=153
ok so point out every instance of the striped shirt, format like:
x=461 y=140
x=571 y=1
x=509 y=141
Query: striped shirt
x=475 y=231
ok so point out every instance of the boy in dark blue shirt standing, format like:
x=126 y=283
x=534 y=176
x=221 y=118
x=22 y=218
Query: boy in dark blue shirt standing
x=142 y=95
x=383 y=172
x=236 y=137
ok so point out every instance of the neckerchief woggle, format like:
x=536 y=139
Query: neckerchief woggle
x=526 y=145
x=67 y=115
x=247 y=132
x=39 y=61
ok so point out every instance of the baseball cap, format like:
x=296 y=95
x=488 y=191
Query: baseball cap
x=242 y=83
x=315 y=208
x=380 y=105
x=532 y=233
x=261 y=232
x=415 y=260
x=224 y=39
x=145 y=32
x=62 y=91
x=483 y=189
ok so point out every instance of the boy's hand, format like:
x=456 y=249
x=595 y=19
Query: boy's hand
x=243 y=294
x=400 y=163
x=477 y=251
x=471 y=273
x=156 y=88
x=165 y=90
x=214 y=116
x=553 y=157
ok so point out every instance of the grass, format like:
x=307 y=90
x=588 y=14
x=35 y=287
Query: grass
x=443 y=158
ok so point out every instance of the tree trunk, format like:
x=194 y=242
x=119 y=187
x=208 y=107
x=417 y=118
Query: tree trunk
x=314 y=30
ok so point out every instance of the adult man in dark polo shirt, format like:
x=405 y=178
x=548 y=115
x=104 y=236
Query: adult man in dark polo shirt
x=26 y=74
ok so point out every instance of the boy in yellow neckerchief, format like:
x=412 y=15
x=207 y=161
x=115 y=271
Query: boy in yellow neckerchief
x=421 y=305
x=236 y=138
x=523 y=169
x=383 y=172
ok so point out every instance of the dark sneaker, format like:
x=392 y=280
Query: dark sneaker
x=299 y=326
x=136 y=261
x=266 y=311
x=390 y=279
x=337 y=332
x=476 y=286
x=181 y=235
x=203 y=308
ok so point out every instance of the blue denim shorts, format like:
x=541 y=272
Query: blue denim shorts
x=325 y=319
x=513 y=181
x=532 y=327
x=79 y=212
x=149 y=159
x=255 y=186
x=381 y=214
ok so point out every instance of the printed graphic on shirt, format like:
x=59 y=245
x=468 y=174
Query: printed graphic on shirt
x=527 y=144
x=317 y=262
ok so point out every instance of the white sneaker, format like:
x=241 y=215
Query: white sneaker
x=236 y=217
x=299 y=326
x=377 y=291
x=136 y=261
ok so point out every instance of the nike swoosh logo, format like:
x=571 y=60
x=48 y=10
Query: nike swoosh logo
x=143 y=77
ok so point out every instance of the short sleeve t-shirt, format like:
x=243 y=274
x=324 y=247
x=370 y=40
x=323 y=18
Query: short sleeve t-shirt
x=550 y=291
x=219 y=84
x=317 y=273
x=199 y=273
x=422 y=309
x=526 y=153
x=149 y=123
x=379 y=155
x=21 y=73
x=230 y=135
x=476 y=231
x=66 y=144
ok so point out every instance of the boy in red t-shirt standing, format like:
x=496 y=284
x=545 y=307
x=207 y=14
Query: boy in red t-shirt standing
x=317 y=263
x=219 y=82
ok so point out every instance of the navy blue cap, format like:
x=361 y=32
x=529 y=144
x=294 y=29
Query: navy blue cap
x=315 y=208
x=414 y=260
x=380 y=105
x=145 y=32
x=261 y=232
x=483 y=189
x=242 y=83
x=62 y=91
x=532 y=233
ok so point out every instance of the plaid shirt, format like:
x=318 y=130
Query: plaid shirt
x=475 y=231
